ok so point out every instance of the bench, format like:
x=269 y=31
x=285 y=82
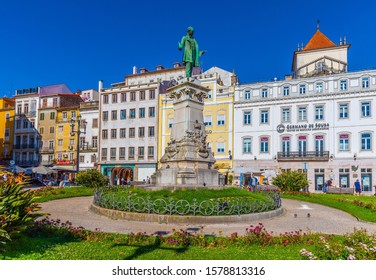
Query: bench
x=340 y=190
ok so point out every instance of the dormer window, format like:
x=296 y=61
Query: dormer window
x=247 y=94
x=319 y=87
x=264 y=93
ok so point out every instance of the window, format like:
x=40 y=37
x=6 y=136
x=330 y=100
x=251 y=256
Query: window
x=247 y=94
x=151 y=131
x=26 y=108
x=19 y=109
x=94 y=141
x=132 y=132
x=247 y=118
x=302 y=113
x=220 y=147
x=52 y=115
x=141 y=132
x=7 y=116
x=105 y=99
x=41 y=116
x=95 y=123
x=302 y=89
x=51 y=144
x=264 y=116
x=151 y=111
x=366 y=109
x=60 y=142
x=285 y=114
x=141 y=152
x=170 y=122
x=32 y=123
x=344 y=142
x=264 y=93
x=133 y=96
x=264 y=145
x=65 y=116
x=123 y=97
x=366 y=141
x=131 y=153
x=60 y=128
x=365 y=82
x=18 y=124
x=319 y=87
x=132 y=113
x=54 y=102
x=25 y=124
x=208 y=120
x=114 y=98
x=221 y=119
x=113 y=153
x=121 y=153
x=73 y=114
x=104 y=134
x=123 y=114
x=151 y=152
x=104 y=154
x=105 y=115
x=41 y=130
x=152 y=94
x=142 y=95
x=122 y=133
x=7 y=134
x=113 y=133
x=286 y=91
x=319 y=112
x=82 y=159
x=71 y=142
x=343 y=111
x=141 y=113
x=114 y=115
x=52 y=129
x=343 y=85
x=209 y=94
x=247 y=145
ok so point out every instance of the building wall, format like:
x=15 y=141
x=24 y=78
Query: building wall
x=6 y=128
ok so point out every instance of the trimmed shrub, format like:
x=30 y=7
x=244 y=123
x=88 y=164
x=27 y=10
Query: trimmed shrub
x=291 y=181
x=91 y=178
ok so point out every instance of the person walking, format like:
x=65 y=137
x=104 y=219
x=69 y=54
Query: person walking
x=254 y=182
x=358 y=188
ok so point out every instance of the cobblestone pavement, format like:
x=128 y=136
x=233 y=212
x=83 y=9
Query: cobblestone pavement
x=320 y=219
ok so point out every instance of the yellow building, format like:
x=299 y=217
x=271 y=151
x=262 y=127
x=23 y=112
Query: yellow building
x=6 y=127
x=65 y=142
x=218 y=116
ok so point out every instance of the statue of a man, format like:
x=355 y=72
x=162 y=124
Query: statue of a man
x=191 y=52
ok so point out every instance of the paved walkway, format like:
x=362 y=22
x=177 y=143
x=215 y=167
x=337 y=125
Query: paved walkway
x=322 y=219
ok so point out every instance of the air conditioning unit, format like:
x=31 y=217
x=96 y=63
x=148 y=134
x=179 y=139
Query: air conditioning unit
x=70 y=147
x=65 y=155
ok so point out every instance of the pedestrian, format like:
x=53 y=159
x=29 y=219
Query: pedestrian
x=66 y=180
x=254 y=182
x=122 y=181
x=116 y=180
x=148 y=180
x=357 y=186
x=129 y=181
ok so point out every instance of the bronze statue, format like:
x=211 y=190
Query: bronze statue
x=191 y=52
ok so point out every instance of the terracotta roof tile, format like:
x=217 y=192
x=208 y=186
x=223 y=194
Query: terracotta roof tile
x=319 y=41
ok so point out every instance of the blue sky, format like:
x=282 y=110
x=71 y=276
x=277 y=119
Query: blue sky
x=79 y=42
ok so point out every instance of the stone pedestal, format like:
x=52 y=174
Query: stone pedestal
x=187 y=161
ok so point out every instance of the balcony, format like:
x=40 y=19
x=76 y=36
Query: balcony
x=303 y=156
x=27 y=163
x=84 y=147
x=47 y=150
x=25 y=146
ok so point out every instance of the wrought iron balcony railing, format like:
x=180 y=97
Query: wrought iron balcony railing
x=303 y=156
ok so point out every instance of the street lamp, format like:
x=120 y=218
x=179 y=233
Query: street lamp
x=79 y=132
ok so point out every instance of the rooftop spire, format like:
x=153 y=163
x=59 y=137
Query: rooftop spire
x=318 y=25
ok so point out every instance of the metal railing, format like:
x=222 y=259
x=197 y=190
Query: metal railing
x=302 y=156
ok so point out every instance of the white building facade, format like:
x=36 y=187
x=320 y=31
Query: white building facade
x=322 y=122
x=128 y=115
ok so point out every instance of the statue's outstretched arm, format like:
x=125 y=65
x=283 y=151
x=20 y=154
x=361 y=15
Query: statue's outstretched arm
x=202 y=52
x=181 y=43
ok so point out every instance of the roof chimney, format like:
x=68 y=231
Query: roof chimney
x=134 y=70
x=100 y=85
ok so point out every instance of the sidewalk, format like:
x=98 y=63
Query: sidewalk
x=321 y=219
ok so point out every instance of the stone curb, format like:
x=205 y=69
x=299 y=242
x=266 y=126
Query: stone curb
x=172 y=219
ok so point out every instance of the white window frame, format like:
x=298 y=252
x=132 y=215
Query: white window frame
x=247 y=118
x=247 y=145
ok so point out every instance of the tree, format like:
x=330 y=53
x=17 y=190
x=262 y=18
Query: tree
x=291 y=181
x=91 y=178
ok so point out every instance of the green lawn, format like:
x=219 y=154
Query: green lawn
x=49 y=193
x=363 y=207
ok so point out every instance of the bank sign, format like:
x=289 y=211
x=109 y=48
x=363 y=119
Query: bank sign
x=281 y=128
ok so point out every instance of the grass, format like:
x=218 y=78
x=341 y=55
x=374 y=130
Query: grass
x=58 y=247
x=190 y=195
x=49 y=193
x=362 y=207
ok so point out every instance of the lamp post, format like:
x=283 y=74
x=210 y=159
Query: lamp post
x=79 y=132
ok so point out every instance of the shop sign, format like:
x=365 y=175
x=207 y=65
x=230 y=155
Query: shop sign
x=302 y=127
